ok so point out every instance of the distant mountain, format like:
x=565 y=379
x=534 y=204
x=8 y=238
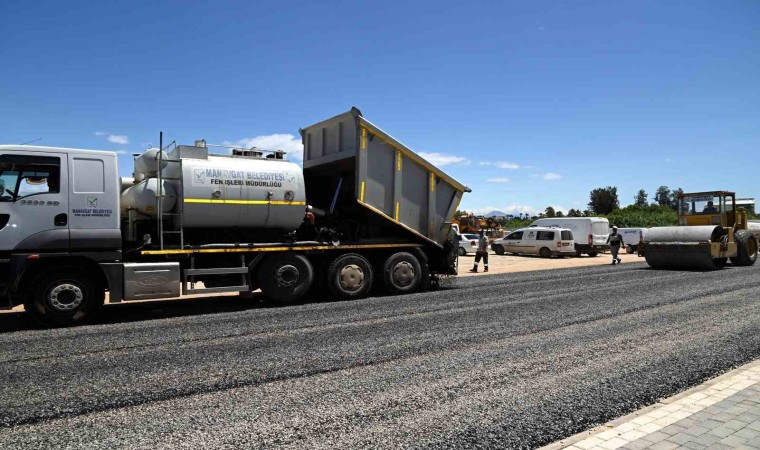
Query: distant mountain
x=495 y=213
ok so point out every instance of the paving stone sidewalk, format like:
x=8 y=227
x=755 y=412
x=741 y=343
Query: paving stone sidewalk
x=723 y=413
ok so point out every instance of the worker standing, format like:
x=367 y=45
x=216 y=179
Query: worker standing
x=616 y=241
x=482 y=252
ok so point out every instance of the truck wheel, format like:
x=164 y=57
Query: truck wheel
x=746 y=248
x=64 y=298
x=545 y=253
x=592 y=254
x=285 y=277
x=498 y=249
x=349 y=276
x=402 y=273
x=462 y=252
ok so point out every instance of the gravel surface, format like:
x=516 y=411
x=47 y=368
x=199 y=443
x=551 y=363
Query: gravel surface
x=500 y=361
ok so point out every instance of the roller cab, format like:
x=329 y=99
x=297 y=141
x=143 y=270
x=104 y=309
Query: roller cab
x=711 y=232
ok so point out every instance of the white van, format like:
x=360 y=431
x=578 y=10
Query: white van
x=632 y=237
x=590 y=232
x=542 y=241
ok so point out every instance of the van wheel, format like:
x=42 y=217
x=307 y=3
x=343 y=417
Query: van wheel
x=592 y=254
x=64 y=298
x=629 y=249
x=498 y=249
x=349 y=277
x=545 y=253
x=285 y=278
x=462 y=252
x=578 y=253
x=402 y=273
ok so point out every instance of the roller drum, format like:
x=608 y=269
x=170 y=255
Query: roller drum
x=683 y=247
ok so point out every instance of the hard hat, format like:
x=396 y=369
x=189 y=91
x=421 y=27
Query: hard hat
x=614 y=227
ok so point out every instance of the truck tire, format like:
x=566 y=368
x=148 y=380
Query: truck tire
x=592 y=254
x=746 y=248
x=285 y=277
x=498 y=249
x=545 y=253
x=64 y=297
x=349 y=277
x=402 y=273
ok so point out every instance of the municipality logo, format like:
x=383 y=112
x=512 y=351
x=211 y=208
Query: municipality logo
x=200 y=176
x=92 y=202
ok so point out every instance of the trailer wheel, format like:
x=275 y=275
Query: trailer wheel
x=285 y=277
x=746 y=248
x=545 y=253
x=349 y=276
x=402 y=273
x=63 y=298
x=498 y=249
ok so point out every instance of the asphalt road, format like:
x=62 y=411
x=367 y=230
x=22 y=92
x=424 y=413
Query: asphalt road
x=499 y=361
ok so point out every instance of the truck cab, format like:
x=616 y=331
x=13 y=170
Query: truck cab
x=58 y=208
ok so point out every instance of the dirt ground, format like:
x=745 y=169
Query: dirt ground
x=496 y=264
x=511 y=263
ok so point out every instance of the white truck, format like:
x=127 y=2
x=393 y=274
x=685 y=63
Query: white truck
x=632 y=237
x=364 y=210
x=590 y=233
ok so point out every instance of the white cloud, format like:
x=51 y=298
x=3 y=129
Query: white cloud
x=285 y=142
x=115 y=138
x=118 y=139
x=498 y=180
x=443 y=159
x=551 y=176
x=502 y=165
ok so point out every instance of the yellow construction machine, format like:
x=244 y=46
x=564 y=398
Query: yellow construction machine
x=711 y=231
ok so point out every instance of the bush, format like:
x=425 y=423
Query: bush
x=643 y=217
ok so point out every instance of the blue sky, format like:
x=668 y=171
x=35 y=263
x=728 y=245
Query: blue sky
x=530 y=103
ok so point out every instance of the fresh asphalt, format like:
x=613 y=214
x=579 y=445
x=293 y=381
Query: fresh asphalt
x=499 y=361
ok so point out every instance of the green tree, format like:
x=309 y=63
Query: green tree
x=604 y=200
x=560 y=214
x=549 y=211
x=673 y=198
x=662 y=197
x=640 y=199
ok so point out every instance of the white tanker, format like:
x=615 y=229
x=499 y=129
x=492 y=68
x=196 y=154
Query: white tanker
x=365 y=211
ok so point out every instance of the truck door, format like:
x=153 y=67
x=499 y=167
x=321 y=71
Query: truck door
x=33 y=201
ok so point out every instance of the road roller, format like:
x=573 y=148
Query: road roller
x=711 y=232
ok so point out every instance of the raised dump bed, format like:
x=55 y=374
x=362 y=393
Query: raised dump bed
x=371 y=181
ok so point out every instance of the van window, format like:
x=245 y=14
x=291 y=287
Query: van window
x=515 y=235
x=567 y=235
x=599 y=228
x=545 y=236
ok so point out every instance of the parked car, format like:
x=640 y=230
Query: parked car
x=590 y=232
x=468 y=244
x=542 y=241
x=632 y=237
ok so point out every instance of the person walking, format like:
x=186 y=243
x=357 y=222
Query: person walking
x=616 y=241
x=482 y=252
